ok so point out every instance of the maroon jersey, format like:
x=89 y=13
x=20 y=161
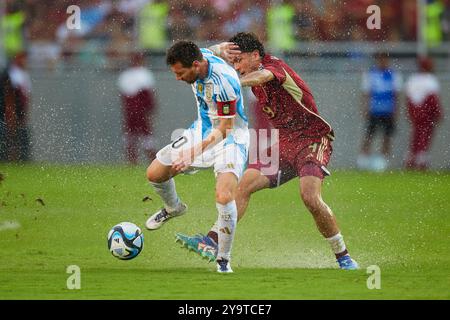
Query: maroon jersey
x=422 y=93
x=429 y=111
x=289 y=104
x=137 y=110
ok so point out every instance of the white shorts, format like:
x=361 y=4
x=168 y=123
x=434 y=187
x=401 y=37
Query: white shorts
x=226 y=156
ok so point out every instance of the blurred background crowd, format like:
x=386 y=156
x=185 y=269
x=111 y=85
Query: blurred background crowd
x=68 y=94
x=116 y=26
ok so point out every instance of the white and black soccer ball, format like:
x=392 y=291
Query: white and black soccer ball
x=125 y=240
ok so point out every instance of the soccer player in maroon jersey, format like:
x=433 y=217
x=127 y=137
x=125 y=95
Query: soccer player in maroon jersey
x=425 y=112
x=305 y=141
x=136 y=86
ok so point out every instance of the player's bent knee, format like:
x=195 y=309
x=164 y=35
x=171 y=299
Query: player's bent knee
x=252 y=181
x=154 y=175
x=224 y=196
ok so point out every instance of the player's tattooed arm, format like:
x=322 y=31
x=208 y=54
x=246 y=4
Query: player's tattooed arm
x=226 y=50
x=257 y=78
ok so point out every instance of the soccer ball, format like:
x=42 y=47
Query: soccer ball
x=125 y=240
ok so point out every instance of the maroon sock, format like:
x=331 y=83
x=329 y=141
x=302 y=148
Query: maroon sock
x=213 y=235
x=341 y=254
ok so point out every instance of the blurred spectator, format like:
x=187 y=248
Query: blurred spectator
x=433 y=29
x=305 y=21
x=131 y=7
x=12 y=24
x=204 y=20
x=222 y=6
x=15 y=89
x=380 y=86
x=153 y=23
x=280 y=25
x=136 y=86
x=112 y=26
x=425 y=112
x=92 y=15
x=178 y=24
x=43 y=49
x=446 y=21
x=120 y=40
x=409 y=26
x=330 y=21
x=390 y=22
x=245 y=15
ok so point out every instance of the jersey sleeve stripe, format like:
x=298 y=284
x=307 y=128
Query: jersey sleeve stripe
x=206 y=51
x=217 y=81
x=230 y=88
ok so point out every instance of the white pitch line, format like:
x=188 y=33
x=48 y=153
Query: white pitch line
x=9 y=225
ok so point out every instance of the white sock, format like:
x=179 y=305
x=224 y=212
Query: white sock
x=227 y=224
x=166 y=190
x=215 y=227
x=337 y=243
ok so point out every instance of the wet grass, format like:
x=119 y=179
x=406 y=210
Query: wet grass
x=55 y=216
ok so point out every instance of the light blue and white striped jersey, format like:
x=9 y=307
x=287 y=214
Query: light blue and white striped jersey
x=221 y=85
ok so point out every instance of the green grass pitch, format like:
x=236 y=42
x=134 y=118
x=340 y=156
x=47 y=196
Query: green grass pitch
x=52 y=217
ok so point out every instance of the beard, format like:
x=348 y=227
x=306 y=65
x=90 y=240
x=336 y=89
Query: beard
x=194 y=79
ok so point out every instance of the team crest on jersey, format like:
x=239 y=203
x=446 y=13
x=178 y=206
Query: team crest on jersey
x=208 y=91
x=200 y=88
x=226 y=108
x=268 y=110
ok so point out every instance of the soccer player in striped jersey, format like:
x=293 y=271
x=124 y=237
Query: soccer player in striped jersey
x=305 y=141
x=219 y=138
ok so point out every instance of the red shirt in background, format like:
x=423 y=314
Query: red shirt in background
x=138 y=100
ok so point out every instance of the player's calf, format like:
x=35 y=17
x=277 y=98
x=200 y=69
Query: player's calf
x=164 y=186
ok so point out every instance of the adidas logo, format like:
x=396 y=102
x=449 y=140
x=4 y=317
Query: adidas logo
x=225 y=230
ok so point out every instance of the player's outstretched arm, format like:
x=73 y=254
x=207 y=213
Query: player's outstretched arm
x=257 y=78
x=226 y=50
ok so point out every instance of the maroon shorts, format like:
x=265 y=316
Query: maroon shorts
x=300 y=158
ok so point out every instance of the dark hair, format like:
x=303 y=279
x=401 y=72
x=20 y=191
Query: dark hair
x=248 y=42
x=185 y=52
